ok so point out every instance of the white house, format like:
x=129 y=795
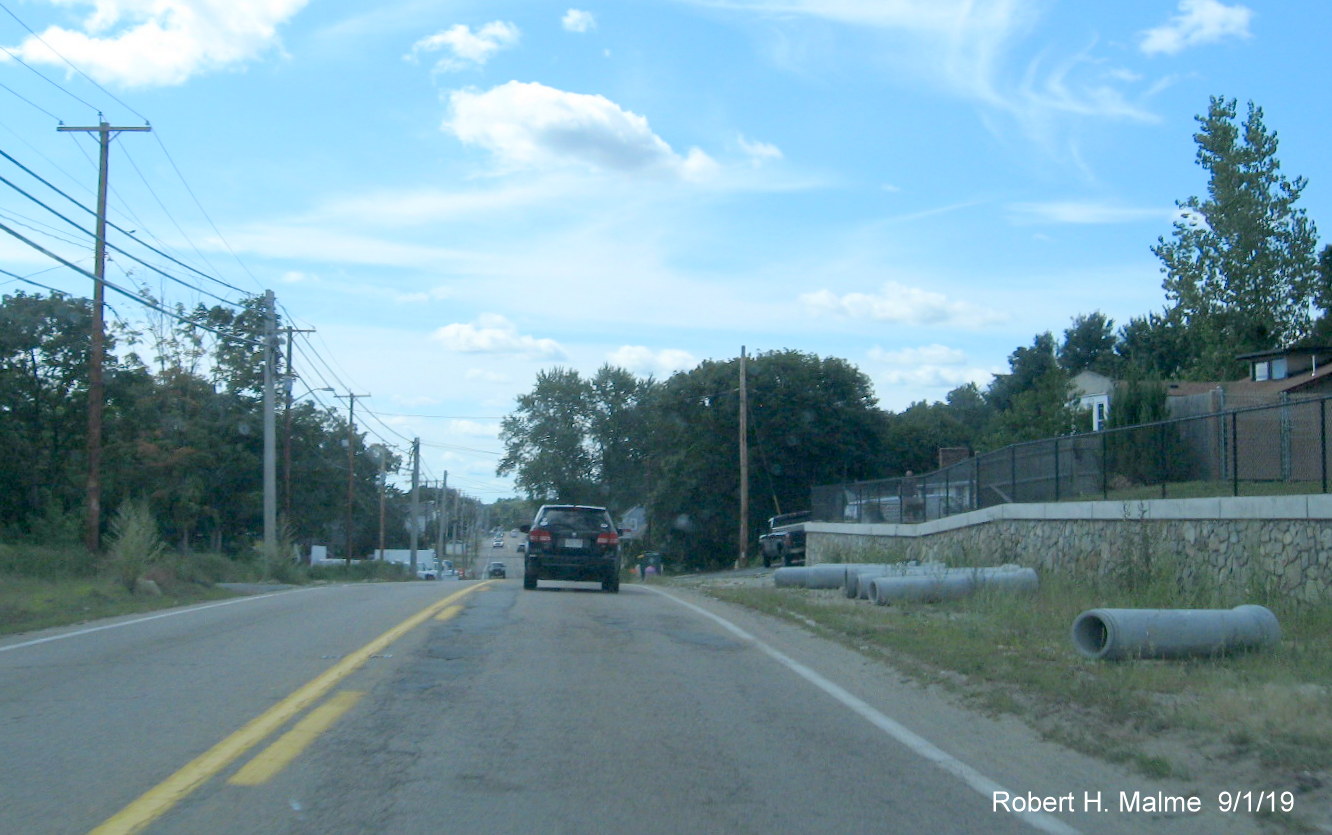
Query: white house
x=1092 y=391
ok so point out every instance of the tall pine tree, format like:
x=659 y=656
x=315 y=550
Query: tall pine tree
x=1240 y=269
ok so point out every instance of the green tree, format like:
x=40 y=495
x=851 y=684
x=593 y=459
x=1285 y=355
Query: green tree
x=912 y=437
x=1026 y=368
x=1155 y=346
x=546 y=440
x=43 y=400
x=1240 y=268
x=1089 y=345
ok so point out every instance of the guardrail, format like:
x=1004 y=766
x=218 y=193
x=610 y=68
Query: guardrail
x=1275 y=449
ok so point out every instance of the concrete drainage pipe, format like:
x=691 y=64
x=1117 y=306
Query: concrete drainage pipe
x=955 y=583
x=858 y=580
x=791 y=576
x=1114 y=634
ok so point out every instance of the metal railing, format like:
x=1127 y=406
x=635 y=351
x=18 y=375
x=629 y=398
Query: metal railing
x=1274 y=449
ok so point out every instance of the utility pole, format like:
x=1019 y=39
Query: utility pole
x=270 y=432
x=288 y=379
x=92 y=532
x=442 y=518
x=744 y=463
x=383 y=489
x=351 y=465
x=416 y=505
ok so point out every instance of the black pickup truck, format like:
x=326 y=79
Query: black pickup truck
x=785 y=540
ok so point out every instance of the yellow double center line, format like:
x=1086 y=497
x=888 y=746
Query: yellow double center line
x=155 y=802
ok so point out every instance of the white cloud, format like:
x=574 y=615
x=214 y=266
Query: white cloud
x=644 y=361
x=900 y=304
x=929 y=366
x=577 y=20
x=466 y=48
x=1198 y=22
x=493 y=334
x=530 y=125
x=1084 y=212
x=759 y=152
x=926 y=355
x=144 y=43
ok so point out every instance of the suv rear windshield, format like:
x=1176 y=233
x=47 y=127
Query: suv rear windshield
x=577 y=518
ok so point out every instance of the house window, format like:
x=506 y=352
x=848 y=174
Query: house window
x=1099 y=421
x=1261 y=371
x=1279 y=368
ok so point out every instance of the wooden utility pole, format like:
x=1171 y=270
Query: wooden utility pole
x=744 y=464
x=92 y=532
x=351 y=466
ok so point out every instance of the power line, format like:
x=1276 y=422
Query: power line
x=132 y=257
x=127 y=233
x=204 y=211
x=126 y=293
x=28 y=101
x=71 y=65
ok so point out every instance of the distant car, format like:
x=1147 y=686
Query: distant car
x=498 y=543
x=496 y=569
x=427 y=572
x=522 y=547
x=572 y=542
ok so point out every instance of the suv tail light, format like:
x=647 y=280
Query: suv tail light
x=539 y=535
x=608 y=538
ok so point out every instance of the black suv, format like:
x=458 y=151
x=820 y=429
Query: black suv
x=572 y=542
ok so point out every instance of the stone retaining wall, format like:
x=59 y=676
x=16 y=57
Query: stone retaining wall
x=1234 y=549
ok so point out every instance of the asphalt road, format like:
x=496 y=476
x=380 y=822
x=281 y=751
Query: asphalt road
x=478 y=707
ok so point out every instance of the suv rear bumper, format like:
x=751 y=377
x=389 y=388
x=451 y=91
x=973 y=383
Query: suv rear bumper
x=569 y=567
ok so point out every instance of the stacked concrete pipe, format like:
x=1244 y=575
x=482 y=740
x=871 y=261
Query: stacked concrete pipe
x=950 y=585
x=1114 y=634
x=858 y=579
x=831 y=575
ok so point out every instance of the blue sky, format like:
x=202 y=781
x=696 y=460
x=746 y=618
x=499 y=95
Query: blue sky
x=459 y=194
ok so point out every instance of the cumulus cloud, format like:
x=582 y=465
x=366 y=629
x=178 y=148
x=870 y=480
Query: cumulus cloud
x=934 y=366
x=466 y=49
x=1198 y=22
x=530 y=125
x=900 y=304
x=644 y=361
x=147 y=43
x=493 y=334
x=577 y=20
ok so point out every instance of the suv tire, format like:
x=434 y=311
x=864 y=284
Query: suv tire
x=529 y=581
x=611 y=582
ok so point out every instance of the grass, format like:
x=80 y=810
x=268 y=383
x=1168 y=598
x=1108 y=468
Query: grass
x=29 y=603
x=1206 y=489
x=1009 y=653
x=43 y=586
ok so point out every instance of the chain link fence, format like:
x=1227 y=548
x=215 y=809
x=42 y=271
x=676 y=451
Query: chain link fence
x=1276 y=449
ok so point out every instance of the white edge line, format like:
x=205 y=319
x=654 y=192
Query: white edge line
x=919 y=744
x=158 y=616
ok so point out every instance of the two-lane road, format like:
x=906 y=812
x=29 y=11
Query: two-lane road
x=479 y=707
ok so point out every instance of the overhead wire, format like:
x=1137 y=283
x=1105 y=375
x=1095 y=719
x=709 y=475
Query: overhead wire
x=145 y=302
x=127 y=233
x=69 y=64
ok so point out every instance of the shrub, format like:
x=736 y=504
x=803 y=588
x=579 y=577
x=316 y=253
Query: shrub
x=135 y=544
